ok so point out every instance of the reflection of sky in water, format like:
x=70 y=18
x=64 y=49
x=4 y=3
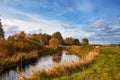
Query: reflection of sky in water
x=68 y=58
x=12 y=75
x=43 y=63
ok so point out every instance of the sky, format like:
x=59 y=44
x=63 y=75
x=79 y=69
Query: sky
x=97 y=20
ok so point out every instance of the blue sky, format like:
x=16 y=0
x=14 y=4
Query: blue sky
x=97 y=20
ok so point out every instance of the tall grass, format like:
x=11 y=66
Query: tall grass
x=17 y=59
x=80 y=50
x=15 y=53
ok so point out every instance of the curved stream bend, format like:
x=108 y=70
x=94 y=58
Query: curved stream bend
x=46 y=62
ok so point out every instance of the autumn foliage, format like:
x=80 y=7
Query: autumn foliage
x=54 y=43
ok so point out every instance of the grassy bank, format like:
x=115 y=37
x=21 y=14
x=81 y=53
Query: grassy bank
x=105 y=67
x=63 y=69
x=81 y=51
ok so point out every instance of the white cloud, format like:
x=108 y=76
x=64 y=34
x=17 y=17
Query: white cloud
x=29 y=26
x=35 y=23
x=104 y=31
x=101 y=23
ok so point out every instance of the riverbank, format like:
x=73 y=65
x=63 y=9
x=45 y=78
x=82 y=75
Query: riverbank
x=80 y=51
x=63 y=69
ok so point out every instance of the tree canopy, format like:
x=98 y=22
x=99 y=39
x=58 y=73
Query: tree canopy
x=69 y=41
x=57 y=35
x=76 y=42
x=54 y=43
x=85 y=41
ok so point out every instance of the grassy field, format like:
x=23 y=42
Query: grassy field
x=105 y=67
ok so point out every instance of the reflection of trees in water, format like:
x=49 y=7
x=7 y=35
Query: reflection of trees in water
x=57 y=57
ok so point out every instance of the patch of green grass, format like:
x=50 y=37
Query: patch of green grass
x=105 y=67
x=80 y=50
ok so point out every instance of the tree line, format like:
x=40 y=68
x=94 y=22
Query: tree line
x=43 y=39
x=22 y=42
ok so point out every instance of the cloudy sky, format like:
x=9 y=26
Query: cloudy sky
x=97 y=20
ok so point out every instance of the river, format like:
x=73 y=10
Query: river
x=45 y=63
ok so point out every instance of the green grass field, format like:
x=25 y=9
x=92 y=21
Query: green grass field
x=105 y=67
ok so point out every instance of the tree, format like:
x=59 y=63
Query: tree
x=22 y=35
x=10 y=38
x=57 y=35
x=54 y=43
x=76 y=42
x=69 y=41
x=46 y=39
x=85 y=41
x=43 y=39
x=1 y=31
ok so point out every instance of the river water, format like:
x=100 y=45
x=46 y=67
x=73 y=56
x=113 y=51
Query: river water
x=45 y=63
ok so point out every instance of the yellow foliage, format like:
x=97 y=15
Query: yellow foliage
x=54 y=43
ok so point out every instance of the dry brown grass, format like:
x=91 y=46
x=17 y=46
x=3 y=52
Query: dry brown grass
x=17 y=59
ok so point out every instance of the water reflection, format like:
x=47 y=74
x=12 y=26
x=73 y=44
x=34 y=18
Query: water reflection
x=56 y=58
x=45 y=63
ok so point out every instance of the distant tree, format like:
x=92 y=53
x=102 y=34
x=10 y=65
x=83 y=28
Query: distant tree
x=76 y=42
x=57 y=35
x=46 y=39
x=43 y=39
x=1 y=31
x=11 y=38
x=37 y=38
x=22 y=35
x=69 y=41
x=15 y=36
x=34 y=37
x=85 y=41
x=54 y=43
